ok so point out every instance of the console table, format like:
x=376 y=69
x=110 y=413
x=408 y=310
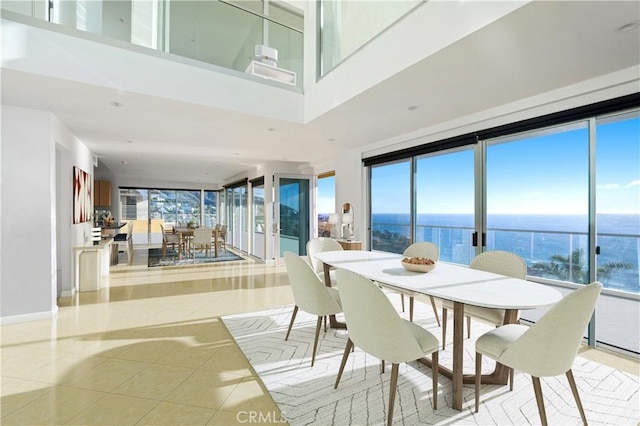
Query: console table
x=92 y=264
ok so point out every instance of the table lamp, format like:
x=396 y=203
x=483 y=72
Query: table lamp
x=347 y=226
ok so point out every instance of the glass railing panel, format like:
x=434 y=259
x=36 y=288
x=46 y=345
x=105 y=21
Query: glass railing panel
x=210 y=31
x=346 y=26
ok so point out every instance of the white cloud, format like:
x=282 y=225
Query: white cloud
x=608 y=186
x=633 y=183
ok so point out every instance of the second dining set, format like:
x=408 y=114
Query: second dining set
x=186 y=240
x=492 y=289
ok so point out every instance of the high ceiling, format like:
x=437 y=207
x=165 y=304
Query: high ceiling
x=542 y=46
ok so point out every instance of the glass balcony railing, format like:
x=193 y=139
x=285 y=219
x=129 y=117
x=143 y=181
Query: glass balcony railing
x=560 y=256
x=221 y=33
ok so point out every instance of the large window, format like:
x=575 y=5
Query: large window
x=565 y=196
x=391 y=207
x=444 y=194
x=326 y=205
x=210 y=209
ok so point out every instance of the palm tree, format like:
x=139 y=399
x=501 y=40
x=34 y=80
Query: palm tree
x=573 y=268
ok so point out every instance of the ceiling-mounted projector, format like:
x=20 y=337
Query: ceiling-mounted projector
x=266 y=55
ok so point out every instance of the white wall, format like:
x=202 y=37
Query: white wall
x=36 y=192
x=28 y=233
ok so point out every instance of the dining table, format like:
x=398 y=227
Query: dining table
x=457 y=283
x=186 y=235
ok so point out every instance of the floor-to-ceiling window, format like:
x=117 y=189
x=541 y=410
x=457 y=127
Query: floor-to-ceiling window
x=571 y=211
x=258 y=215
x=210 y=209
x=391 y=206
x=326 y=205
x=444 y=200
x=237 y=214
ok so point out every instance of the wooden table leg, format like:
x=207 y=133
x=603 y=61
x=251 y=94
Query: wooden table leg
x=333 y=322
x=215 y=241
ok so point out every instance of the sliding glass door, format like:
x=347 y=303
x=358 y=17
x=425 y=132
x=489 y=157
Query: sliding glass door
x=293 y=213
x=445 y=203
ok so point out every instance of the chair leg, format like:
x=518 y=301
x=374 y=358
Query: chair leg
x=434 y=375
x=325 y=324
x=444 y=327
x=411 y=308
x=576 y=396
x=538 y=391
x=347 y=349
x=402 y=301
x=468 y=327
x=435 y=310
x=511 y=371
x=315 y=341
x=392 y=392
x=477 y=381
x=382 y=366
x=293 y=317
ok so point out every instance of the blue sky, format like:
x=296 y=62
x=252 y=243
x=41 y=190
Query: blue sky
x=545 y=174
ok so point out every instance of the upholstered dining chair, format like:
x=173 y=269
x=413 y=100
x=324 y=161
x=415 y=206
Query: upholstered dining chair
x=319 y=245
x=310 y=294
x=374 y=326
x=431 y=251
x=547 y=348
x=202 y=240
x=498 y=262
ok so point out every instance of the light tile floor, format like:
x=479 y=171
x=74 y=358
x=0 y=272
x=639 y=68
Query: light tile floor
x=151 y=349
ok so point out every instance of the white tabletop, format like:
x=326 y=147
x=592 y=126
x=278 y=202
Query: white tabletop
x=447 y=281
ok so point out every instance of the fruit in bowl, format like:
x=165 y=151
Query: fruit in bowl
x=418 y=264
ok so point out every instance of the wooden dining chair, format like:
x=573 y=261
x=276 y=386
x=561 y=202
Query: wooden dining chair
x=547 y=348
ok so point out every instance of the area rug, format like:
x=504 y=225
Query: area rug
x=306 y=394
x=171 y=259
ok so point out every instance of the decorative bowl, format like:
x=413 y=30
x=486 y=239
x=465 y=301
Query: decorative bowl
x=417 y=267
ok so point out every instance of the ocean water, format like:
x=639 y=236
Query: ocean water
x=539 y=239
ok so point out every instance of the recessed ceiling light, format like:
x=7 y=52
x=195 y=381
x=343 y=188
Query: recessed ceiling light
x=413 y=107
x=128 y=141
x=271 y=129
x=116 y=104
x=124 y=162
x=236 y=153
x=331 y=139
x=628 y=26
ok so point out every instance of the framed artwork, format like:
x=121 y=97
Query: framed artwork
x=82 y=195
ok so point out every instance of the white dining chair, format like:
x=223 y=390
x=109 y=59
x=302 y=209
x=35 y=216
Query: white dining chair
x=428 y=250
x=310 y=294
x=374 y=326
x=319 y=245
x=499 y=262
x=547 y=348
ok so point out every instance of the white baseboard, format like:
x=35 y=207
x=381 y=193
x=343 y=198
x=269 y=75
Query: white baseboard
x=36 y=316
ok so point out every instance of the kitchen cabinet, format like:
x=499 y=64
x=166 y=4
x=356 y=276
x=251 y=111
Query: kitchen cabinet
x=102 y=193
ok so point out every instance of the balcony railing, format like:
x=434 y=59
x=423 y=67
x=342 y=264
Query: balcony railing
x=214 y=32
x=553 y=255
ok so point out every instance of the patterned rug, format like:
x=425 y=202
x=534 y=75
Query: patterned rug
x=305 y=394
x=171 y=259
